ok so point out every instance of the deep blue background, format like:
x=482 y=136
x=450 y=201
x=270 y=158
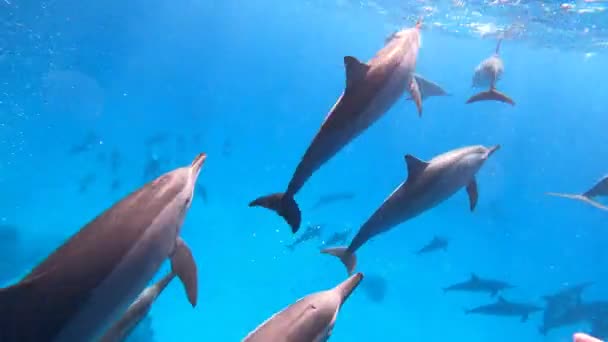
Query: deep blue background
x=261 y=77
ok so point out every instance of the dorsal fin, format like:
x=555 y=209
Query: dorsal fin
x=474 y=277
x=355 y=70
x=415 y=166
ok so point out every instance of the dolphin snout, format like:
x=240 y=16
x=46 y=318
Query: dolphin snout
x=493 y=149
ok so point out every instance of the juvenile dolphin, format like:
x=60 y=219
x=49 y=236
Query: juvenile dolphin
x=310 y=319
x=600 y=189
x=427 y=185
x=137 y=311
x=477 y=284
x=78 y=290
x=502 y=307
x=313 y=231
x=437 y=243
x=487 y=74
x=371 y=89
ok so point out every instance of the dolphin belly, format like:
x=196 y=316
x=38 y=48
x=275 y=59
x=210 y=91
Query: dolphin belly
x=126 y=281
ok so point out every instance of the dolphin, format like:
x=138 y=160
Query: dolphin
x=568 y=296
x=477 y=284
x=313 y=231
x=557 y=315
x=371 y=90
x=137 y=311
x=437 y=243
x=600 y=189
x=427 y=185
x=310 y=319
x=582 y=337
x=337 y=237
x=80 y=288
x=502 y=307
x=487 y=74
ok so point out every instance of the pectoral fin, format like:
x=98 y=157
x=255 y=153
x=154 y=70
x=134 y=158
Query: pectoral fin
x=472 y=191
x=182 y=264
x=416 y=96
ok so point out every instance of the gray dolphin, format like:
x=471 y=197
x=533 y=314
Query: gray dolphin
x=435 y=244
x=137 y=311
x=600 y=189
x=568 y=296
x=562 y=314
x=427 y=185
x=310 y=319
x=502 y=307
x=371 y=89
x=487 y=74
x=78 y=290
x=477 y=284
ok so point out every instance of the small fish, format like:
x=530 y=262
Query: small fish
x=338 y=238
x=477 y=284
x=502 y=307
x=600 y=189
x=311 y=232
x=437 y=243
x=487 y=74
x=332 y=198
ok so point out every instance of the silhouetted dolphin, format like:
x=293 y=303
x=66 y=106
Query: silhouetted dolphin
x=487 y=74
x=427 y=185
x=371 y=89
x=477 y=284
x=599 y=189
x=311 y=318
x=437 y=243
x=76 y=293
x=137 y=311
x=557 y=315
x=502 y=307
x=568 y=295
x=313 y=231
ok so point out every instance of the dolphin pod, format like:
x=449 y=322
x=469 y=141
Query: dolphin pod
x=427 y=185
x=78 y=290
x=310 y=319
x=371 y=89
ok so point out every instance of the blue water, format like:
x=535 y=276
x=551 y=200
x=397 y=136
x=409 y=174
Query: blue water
x=249 y=83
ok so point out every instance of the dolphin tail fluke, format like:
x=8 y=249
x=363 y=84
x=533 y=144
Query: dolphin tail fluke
x=428 y=88
x=284 y=206
x=348 y=259
x=491 y=95
x=580 y=198
x=183 y=265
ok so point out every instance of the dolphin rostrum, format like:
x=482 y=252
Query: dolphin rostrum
x=310 y=319
x=427 y=185
x=437 y=243
x=477 y=284
x=600 y=189
x=80 y=289
x=136 y=312
x=502 y=307
x=487 y=74
x=371 y=89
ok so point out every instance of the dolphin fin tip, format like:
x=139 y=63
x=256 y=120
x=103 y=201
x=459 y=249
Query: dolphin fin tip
x=348 y=259
x=183 y=265
x=284 y=206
